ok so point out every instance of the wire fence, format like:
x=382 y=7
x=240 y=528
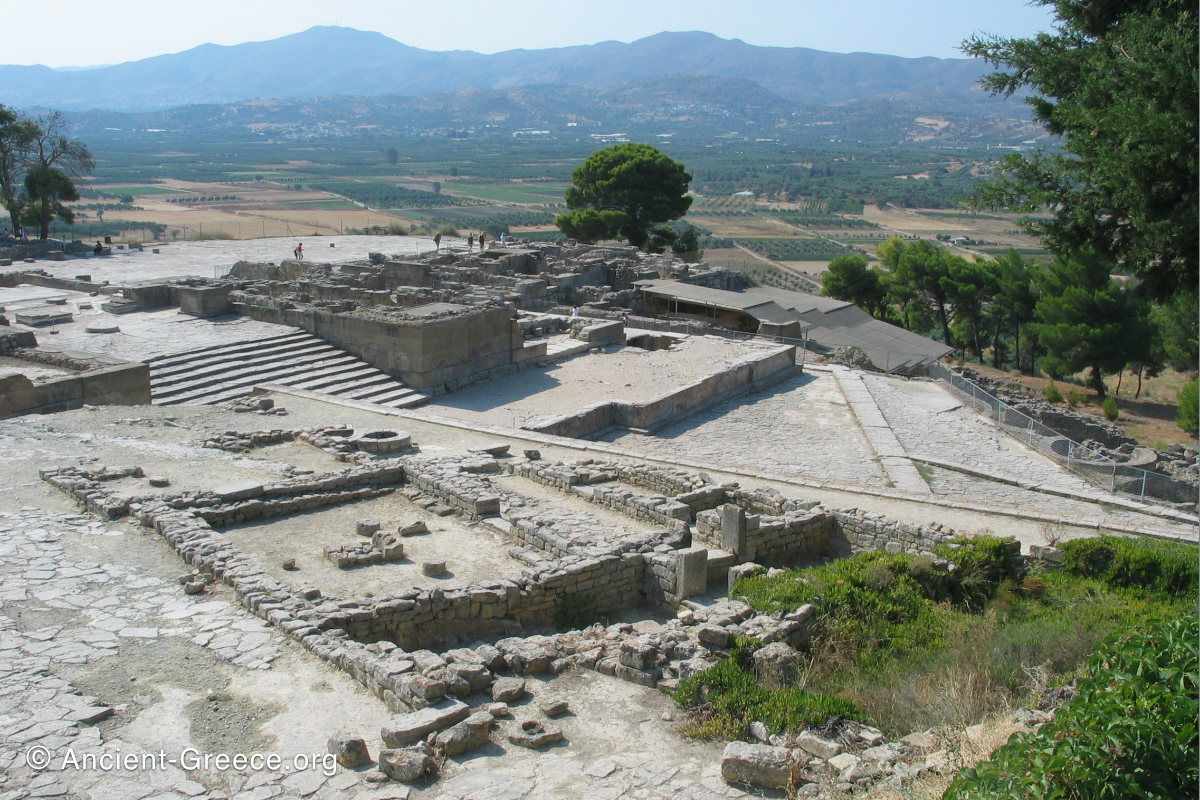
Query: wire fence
x=1097 y=469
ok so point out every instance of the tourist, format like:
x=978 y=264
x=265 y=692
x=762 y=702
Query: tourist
x=99 y=248
x=470 y=241
x=437 y=242
x=575 y=311
x=63 y=242
x=299 y=252
x=481 y=237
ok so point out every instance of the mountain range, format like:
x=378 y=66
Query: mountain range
x=327 y=60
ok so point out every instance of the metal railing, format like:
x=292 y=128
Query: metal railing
x=1097 y=469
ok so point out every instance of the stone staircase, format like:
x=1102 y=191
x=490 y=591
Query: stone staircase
x=226 y=372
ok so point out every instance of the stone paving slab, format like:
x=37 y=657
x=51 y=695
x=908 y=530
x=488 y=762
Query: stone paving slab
x=892 y=455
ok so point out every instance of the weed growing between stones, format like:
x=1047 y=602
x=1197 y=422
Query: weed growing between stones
x=726 y=698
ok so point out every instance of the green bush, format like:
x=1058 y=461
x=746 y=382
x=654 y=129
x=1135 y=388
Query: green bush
x=724 y=699
x=1188 y=416
x=1076 y=398
x=1052 y=394
x=1110 y=408
x=1130 y=732
x=876 y=606
x=1165 y=568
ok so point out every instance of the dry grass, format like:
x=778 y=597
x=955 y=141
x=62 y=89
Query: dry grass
x=1150 y=420
x=262 y=209
x=737 y=227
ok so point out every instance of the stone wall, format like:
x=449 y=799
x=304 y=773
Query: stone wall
x=795 y=537
x=859 y=531
x=123 y=384
x=749 y=372
x=37 y=278
x=431 y=353
x=426 y=617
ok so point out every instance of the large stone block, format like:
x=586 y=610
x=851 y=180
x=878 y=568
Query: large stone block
x=756 y=765
x=405 y=729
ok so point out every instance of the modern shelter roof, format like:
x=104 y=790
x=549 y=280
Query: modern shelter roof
x=828 y=323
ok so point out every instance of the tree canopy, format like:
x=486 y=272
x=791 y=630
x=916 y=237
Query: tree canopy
x=38 y=165
x=1117 y=81
x=622 y=192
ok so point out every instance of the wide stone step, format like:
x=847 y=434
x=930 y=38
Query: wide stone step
x=329 y=382
x=384 y=394
x=307 y=355
x=234 y=348
x=202 y=360
x=282 y=367
x=247 y=378
x=226 y=372
x=361 y=389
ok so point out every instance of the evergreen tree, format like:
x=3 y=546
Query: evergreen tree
x=1086 y=320
x=1117 y=81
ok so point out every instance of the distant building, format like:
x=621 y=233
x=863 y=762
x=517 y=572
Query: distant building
x=823 y=323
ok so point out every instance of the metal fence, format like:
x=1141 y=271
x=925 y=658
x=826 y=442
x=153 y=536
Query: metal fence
x=1095 y=468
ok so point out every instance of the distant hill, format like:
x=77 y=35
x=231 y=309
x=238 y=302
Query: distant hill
x=326 y=61
x=691 y=105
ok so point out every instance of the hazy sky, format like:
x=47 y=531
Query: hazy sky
x=93 y=32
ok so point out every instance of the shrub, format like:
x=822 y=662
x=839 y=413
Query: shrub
x=1166 y=568
x=447 y=229
x=1110 y=408
x=1130 y=732
x=1052 y=394
x=724 y=699
x=876 y=606
x=1076 y=398
x=1188 y=416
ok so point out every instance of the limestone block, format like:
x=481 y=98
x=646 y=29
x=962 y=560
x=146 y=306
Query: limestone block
x=349 y=750
x=817 y=745
x=407 y=765
x=508 y=690
x=555 y=708
x=470 y=734
x=413 y=528
x=777 y=665
x=756 y=765
x=405 y=729
x=711 y=635
x=534 y=734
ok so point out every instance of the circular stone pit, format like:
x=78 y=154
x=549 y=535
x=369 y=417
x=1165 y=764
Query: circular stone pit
x=381 y=442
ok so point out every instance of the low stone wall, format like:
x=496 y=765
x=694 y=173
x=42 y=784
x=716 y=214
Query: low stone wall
x=15 y=337
x=117 y=385
x=859 y=532
x=423 y=617
x=794 y=537
x=656 y=509
x=647 y=416
x=37 y=278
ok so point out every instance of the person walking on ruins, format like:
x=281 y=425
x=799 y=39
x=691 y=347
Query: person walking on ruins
x=437 y=243
x=482 y=234
x=299 y=251
x=470 y=241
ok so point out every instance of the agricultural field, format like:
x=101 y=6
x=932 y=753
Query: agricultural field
x=189 y=188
